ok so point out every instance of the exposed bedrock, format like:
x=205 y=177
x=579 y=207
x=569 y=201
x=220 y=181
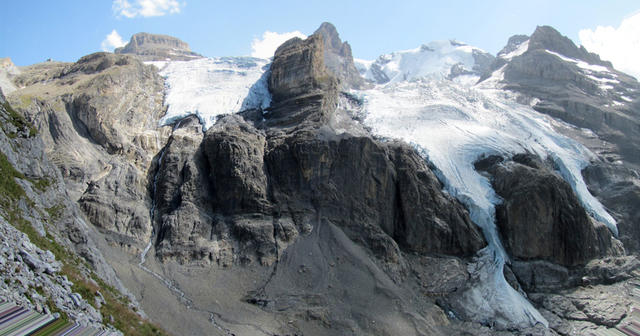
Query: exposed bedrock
x=618 y=188
x=154 y=47
x=541 y=218
x=98 y=121
x=251 y=186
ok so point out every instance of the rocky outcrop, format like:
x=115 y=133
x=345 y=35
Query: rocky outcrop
x=338 y=57
x=539 y=276
x=618 y=188
x=298 y=68
x=153 y=47
x=235 y=153
x=311 y=71
x=569 y=83
x=265 y=184
x=540 y=217
x=547 y=38
x=98 y=118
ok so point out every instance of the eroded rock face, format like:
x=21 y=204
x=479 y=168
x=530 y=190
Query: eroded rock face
x=154 y=47
x=338 y=57
x=541 y=218
x=98 y=118
x=298 y=68
x=235 y=153
x=567 y=82
x=271 y=178
x=575 y=93
x=618 y=188
x=283 y=186
x=547 y=38
x=36 y=210
x=362 y=185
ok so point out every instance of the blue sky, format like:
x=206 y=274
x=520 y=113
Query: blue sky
x=65 y=30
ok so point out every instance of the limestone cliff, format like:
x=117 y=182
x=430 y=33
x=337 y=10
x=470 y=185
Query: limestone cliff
x=153 y=47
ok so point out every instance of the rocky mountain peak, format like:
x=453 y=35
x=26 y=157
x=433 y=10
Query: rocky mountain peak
x=513 y=43
x=338 y=57
x=330 y=35
x=314 y=69
x=547 y=38
x=154 y=47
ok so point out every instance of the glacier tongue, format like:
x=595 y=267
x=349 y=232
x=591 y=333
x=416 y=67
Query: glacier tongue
x=454 y=124
x=209 y=87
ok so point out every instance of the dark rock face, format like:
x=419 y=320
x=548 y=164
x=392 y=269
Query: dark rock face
x=541 y=218
x=235 y=151
x=265 y=182
x=380 y=195
x=153 y=47
x=429 y=220
x=542 y=276
x=356 y=182
x=619 y=190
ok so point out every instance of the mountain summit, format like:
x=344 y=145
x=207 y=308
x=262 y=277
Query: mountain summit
x=152 y=47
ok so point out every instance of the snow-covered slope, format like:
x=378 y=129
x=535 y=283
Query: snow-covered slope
x=454 y=123
x=436 y=60
x=209 y=87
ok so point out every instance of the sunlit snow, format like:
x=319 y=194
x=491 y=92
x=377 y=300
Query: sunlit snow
x=453 y=125
x=581 y=64
x=521 y=49
x=209 y=87
x=432 y=60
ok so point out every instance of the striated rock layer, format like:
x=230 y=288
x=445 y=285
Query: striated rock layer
x=154 y=47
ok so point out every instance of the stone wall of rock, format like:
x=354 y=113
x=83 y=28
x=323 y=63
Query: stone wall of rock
x=265 y=181
x=540 y=217
x=98 y=120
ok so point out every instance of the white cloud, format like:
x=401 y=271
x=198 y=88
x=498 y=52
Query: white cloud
x=146 y=8
x=265 y=47
x=619 y=45
x=112 y=41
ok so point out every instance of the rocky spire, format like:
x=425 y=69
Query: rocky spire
x=338 y=57
x=301 y=66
